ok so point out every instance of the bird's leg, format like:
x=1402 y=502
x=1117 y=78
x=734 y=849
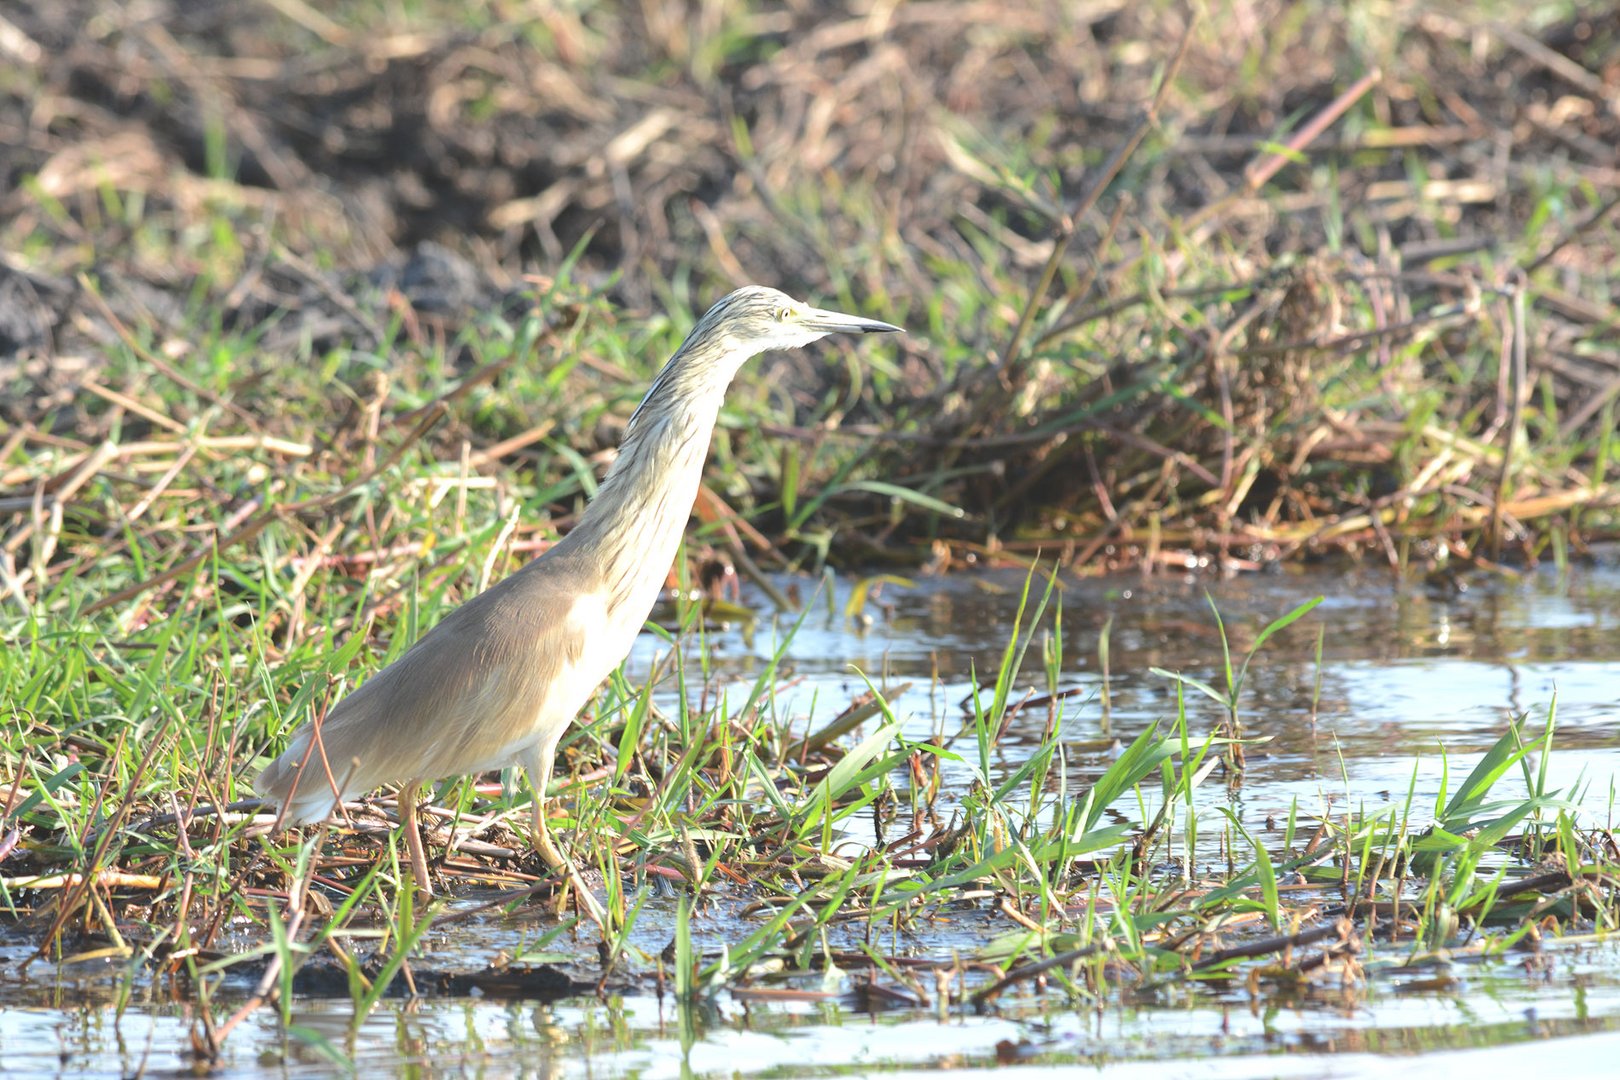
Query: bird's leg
x=540 y=833
x=413 y=835
x=537 y=764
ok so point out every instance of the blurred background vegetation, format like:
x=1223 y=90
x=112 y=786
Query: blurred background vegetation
x=1235 y=281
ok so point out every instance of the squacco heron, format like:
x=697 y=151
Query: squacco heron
x=498 y=681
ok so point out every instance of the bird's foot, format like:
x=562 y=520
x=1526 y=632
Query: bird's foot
x=563 y=867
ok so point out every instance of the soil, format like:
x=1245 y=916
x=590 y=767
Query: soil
x=429 y=168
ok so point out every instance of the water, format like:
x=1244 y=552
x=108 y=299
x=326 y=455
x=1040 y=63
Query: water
x=1412 y=682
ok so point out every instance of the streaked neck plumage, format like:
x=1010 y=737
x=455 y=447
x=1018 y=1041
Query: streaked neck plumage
x=632 y=529
x=627 y=539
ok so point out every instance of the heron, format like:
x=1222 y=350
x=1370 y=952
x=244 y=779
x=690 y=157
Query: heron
x=497 y=681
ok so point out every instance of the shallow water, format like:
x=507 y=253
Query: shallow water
x=1405 y=672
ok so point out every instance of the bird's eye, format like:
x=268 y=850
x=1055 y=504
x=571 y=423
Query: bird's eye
x=781 y=314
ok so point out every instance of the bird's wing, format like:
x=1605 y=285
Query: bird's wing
x=503 y=669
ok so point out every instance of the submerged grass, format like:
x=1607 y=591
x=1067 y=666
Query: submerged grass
x=842 y=858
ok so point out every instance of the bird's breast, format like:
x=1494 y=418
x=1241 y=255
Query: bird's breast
x=540 y=683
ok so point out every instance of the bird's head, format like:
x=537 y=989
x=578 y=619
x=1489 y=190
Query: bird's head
x=755 y=319
x=742 y=325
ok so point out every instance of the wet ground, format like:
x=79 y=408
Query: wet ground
x=1406 y=671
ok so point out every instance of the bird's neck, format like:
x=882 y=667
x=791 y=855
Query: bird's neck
x=632 y=529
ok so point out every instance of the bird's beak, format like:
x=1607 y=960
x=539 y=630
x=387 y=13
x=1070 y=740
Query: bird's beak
x=833 y=322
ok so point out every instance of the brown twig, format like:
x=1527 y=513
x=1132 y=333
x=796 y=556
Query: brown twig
x=260 y=521
x=1256 y=175
x=158 y=362
x=984 y=995
x=1013 y=361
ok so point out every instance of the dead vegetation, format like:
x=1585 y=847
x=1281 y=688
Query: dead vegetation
x=1353 y=290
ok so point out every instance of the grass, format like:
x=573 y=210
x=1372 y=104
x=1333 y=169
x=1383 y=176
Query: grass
x=1349 y=335
x=719 y=800
x=1227 y=304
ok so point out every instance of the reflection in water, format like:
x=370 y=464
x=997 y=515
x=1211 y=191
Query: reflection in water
x=1404 y=674
x=639 y=1037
